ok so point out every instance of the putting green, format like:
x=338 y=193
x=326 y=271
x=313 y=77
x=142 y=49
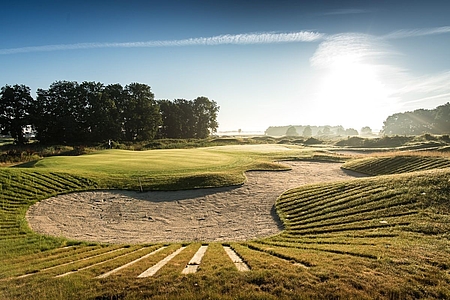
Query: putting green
x=162 y=161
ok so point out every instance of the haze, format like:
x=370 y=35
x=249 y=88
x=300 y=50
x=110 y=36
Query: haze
x=266 y=63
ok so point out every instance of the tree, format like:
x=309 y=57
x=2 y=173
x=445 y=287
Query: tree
x=111 y=107
x=366 y=131
x=170 y=117
x=340 y=130
x=442 y=119
x=15 y=105
x=141 y=118
x=60 y=113
x=188 y=119
x=419 y=121
x=205 y=114
x=327 y=130
x=307 y=132
x=291 y=131
x=351 y=131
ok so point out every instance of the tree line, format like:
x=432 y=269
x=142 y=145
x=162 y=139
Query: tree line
x=419 y=121
x=309 y=131
x=69 y=112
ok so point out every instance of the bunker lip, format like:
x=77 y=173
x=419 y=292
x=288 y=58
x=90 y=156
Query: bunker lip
x=209 y=215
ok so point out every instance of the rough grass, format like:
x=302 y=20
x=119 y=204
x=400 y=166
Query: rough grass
x=383 y=237
x=399 y=162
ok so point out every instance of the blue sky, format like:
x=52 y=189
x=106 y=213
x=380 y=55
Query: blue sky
x=266 y=63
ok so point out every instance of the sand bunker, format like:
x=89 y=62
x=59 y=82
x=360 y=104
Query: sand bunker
x=218 y=214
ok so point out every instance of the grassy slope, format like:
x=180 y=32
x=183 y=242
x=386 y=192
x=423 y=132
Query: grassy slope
x=397 y=163
x=381 y=237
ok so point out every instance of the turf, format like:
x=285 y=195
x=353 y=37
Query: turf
x=382 y=237
x=170 y=168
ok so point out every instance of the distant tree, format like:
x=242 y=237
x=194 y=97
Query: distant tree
x=340 y=130
x=291 y=131
x=15 y=106
x=307 y=132
x=276 y=130
x=351 y=131
x=326 y=130
x=419 y=121
x=442 y=119
x=366 y=131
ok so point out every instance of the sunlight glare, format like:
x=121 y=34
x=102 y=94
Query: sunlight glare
x=351 y=92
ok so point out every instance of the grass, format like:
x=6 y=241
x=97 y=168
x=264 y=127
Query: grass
x=169 y=169
x=398 y=162
x=384 y=237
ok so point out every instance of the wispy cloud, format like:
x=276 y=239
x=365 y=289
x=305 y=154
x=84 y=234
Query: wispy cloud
x=355 y=47
x=346 y=11
x=237 y=39
x=405 y=33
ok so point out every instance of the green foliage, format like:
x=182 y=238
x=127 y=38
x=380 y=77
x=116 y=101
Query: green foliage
x=73 y=113
x=188 y=119
x=15 y=108
x=419 y=121
x=69 y=112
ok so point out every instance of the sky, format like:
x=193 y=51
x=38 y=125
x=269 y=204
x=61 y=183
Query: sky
x=266 y=63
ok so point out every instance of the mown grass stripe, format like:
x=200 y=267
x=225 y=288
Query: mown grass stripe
x=340 y=199
x=313 y=195
x=351 y=228
x=104 y=275
x=361 y=219
x=154 y=269
x=72 y=262
x=98 y=263
x=354 y=207
x=303 y=263
x=350 y=212
x=334 y=251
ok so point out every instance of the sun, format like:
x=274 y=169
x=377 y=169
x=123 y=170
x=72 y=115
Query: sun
x=350 y=91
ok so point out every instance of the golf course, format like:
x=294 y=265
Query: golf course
x=262 y=221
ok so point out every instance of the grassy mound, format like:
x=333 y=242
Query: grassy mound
x=388 y=234
x=395 y=164
x=386 y=204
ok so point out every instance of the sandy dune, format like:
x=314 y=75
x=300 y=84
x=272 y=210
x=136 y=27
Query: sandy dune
x=217 y=214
